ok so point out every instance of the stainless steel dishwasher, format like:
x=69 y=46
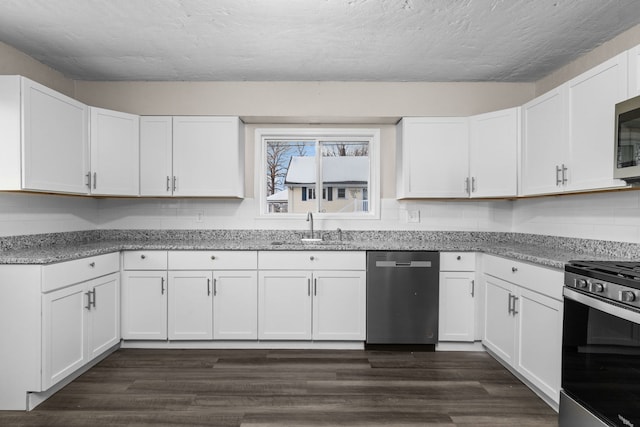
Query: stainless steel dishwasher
x=402 y=297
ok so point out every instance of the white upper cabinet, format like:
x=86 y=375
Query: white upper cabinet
x=633 y=57
x=115 y=151
x=432 y=157
x=544 y=147
x=568 y=132
x=43 y=138
x=156 y=157
x=208 y=156
x=493 y=151
x=592 y=97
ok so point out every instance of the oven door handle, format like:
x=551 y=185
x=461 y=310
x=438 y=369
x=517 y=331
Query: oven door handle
x=614 y=310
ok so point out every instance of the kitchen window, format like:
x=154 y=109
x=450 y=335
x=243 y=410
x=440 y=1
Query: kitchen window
x=332 y=172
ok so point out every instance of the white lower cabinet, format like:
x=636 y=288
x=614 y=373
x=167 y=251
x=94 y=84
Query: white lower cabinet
x=79 y=323
x=325 y=303
x=235 y=305
x=523 y=320
x=190 y=305
x=457 y=297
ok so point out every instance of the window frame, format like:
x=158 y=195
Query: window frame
x=372 y=135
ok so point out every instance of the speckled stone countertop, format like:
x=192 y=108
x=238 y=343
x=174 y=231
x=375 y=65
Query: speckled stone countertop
x=548 y=251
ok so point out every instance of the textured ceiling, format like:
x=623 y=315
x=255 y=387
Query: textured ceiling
x=311 y=40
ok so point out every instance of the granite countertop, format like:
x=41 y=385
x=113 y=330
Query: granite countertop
x=534 y=250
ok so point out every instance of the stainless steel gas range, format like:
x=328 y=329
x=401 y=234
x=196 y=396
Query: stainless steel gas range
x=601 y=345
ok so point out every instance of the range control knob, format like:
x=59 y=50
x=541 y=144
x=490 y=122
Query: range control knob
x=597 y=287
x=581 y=283
x=627 y=296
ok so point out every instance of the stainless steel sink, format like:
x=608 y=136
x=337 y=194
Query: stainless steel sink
x=310 y=242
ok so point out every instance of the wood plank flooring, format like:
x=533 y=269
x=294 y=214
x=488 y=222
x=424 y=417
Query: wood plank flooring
x=268 y=388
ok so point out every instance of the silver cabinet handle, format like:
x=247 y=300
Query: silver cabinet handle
x=473 y=288
x=88 y=175
x=458 y=257
x=93 y=301
x=515 y=298
x=95 y=180
x=315 y=286
x=564 y=174
x=473 y=184
x=175 y=183
x=92 y=264
x=215 y=287
x=510 y=301
x=213 y=257
x=558 y=179
x=88 y=306
x=168 y=183
x=208 y=287
x=466 y=185
x=514 y=269
x=309 y=287
x=312 y=257
x=162 y=286
x=143 y=256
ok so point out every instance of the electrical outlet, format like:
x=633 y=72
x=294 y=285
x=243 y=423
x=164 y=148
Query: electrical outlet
x=413 y=216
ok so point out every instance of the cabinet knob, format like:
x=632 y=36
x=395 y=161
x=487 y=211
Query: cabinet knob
x=514 y=269
x=92 y=264
x=312 y=257
x=213 y=257
x=458 y=257
x=143 y=256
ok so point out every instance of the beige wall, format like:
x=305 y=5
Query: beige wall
x=12 y=61
x=613 y=47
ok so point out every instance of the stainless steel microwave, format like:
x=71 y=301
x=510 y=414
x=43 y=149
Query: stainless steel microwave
x=627 y=141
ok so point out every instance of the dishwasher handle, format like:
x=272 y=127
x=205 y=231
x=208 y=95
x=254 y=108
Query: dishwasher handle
x=411 y=264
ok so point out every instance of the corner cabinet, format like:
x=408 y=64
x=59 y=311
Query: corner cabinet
x=523 y=321
x=115 y=147
x=191 y=156
x=43 y=139
x=568 y=132
x=69 y=318
x=323 y=298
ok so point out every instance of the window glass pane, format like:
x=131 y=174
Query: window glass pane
x=291 y=176
x=345 y=165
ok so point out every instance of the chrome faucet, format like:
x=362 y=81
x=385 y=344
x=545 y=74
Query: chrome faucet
x=310 y=221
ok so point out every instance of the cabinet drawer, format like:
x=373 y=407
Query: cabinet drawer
x=312 y=260
x=213 y=260
x=145 y=260
x=59 y=275
x=546 y=281
x=457 y=261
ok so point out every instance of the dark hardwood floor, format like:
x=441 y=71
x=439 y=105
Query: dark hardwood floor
x=260 y=388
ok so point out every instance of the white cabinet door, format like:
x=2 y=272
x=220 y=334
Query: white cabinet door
x=55 y=145
x=634 y=72
x=500 y=325
x=540 y=341
x=144 y=305
x=284 y=305
x=190 y=305
x=544 y=147
x=493 y=160
x=592 y=97
x=114 y=152
x=235 y=305
x=457 y=307
x=339 y=305
x=103 y=327
x=156 y=141
x=432 y=157
x=64 y=347
x=208 y=156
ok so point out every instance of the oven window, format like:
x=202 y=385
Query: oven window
x=601 y=363
x=628 y=150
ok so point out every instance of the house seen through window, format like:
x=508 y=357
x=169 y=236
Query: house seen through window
x=300 y=169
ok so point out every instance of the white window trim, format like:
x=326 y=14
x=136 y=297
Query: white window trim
x=262 y=134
